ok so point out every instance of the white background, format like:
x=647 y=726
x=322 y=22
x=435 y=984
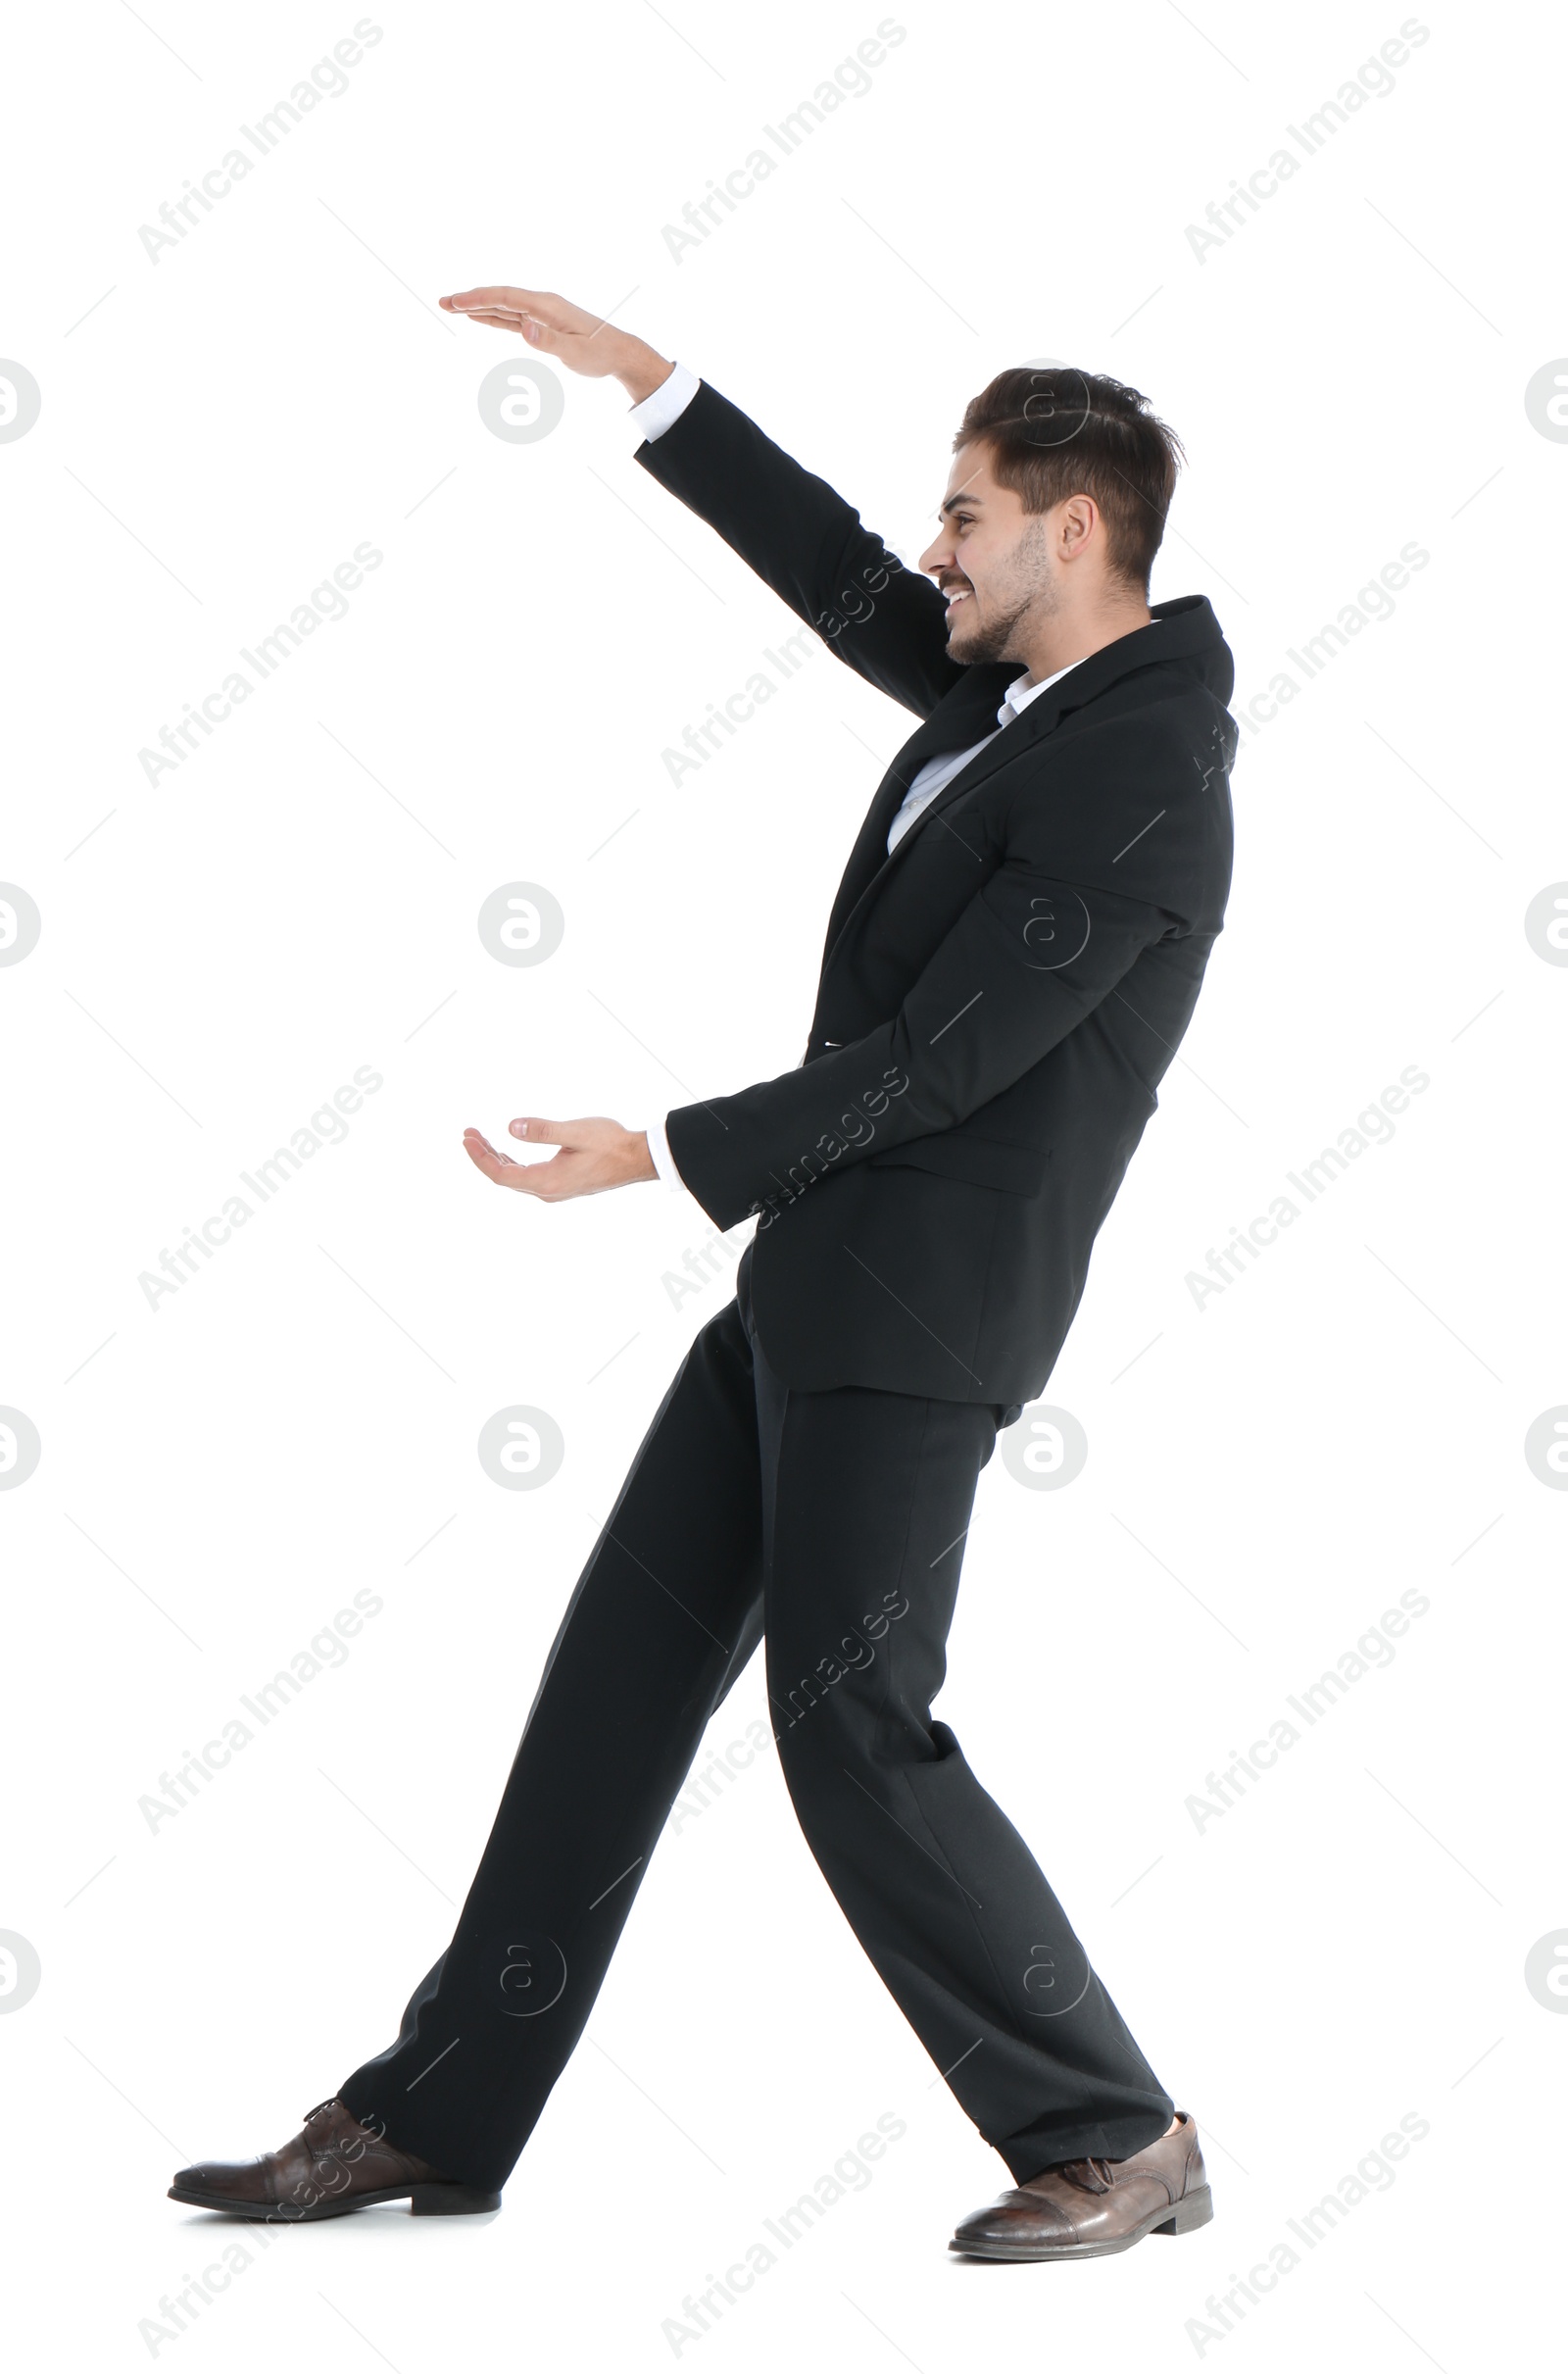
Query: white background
x=222 y=948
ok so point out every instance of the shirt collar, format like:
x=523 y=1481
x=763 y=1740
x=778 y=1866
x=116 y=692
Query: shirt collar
x=1020 y=694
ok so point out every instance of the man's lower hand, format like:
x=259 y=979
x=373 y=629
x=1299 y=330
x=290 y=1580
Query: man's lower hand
x=595 y=1154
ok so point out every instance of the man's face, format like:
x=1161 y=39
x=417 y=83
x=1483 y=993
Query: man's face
x=992 y=560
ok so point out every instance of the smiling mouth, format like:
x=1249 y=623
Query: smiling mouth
x=956 y=595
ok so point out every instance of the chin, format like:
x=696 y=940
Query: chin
x=969 y=643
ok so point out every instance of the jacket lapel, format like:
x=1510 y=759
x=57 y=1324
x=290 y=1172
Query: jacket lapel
x=1177 y=630
x=964 y=717
x=1166 y=637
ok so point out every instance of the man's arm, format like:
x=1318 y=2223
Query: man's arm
x=887 y=622
x=809 y=547
x=1094 y=874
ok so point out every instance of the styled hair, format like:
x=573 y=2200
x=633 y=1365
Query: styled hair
x=1054 y=431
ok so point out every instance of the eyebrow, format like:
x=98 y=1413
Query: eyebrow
x=952 y=501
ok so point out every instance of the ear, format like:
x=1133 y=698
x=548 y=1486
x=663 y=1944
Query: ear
x=1077 y=525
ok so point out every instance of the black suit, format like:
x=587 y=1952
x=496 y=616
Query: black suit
x=1008 y=986
x=998 y=998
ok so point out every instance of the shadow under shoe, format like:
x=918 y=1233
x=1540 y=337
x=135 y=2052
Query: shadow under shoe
x=333 y=2165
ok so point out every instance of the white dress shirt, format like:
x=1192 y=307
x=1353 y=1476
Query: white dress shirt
x=651 y=417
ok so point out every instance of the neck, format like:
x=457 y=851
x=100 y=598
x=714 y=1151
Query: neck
x=1057 y=643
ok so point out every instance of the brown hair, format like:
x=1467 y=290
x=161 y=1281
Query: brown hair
x=1054 y=431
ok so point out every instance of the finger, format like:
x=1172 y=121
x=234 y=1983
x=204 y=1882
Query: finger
x=545 y=1180
x=484 y=1156
x=546 y=320
x=554 y=313
x=490 y=1158
x=543 y=1133
x=525 y=327
x=507 y=300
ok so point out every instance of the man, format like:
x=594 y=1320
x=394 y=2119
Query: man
x=1014 y=951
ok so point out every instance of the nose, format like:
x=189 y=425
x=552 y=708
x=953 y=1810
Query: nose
x=937 y=555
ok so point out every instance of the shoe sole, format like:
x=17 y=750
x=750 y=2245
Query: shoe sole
x=424 y=2200
x=1193 y=2209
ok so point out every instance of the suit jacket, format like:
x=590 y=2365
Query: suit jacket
x=998 y=997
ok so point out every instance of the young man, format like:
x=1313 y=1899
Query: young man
x=1014 y=955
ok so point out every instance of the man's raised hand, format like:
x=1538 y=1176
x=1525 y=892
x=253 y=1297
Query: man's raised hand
x=585 y=342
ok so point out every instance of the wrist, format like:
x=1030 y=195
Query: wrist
x=640 y=369
x=640 y=1154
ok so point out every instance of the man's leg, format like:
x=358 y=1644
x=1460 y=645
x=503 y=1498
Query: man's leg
x=866 y=1500
x=666 y=1612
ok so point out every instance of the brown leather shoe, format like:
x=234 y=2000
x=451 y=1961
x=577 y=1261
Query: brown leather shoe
x=1087 y=2208
x=333 y=2165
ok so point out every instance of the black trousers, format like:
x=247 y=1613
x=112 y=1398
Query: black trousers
x=832 y=1523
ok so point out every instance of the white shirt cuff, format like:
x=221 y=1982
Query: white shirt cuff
x=664 y=1159
x=664 y=408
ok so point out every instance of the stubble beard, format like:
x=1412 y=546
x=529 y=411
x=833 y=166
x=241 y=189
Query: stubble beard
x=972 y=640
